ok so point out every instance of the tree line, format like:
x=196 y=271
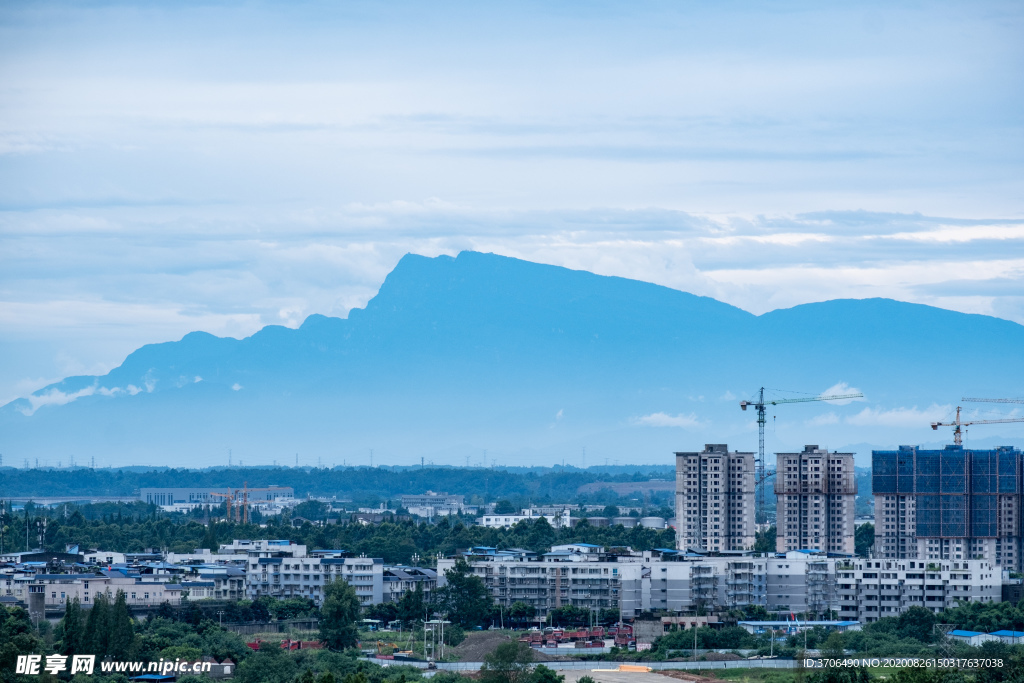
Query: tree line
x=396 y=542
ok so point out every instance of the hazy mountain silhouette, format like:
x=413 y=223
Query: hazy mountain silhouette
x=457 y=355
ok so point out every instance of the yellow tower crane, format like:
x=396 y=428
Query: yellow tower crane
x=958 y=423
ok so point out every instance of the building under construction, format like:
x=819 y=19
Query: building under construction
x=816 y=493
x=949 y=504
x=715 y=499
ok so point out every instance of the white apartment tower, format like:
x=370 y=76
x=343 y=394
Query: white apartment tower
x=715 y=499
x=816 y=492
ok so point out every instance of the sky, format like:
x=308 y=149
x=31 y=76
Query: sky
x=221 y=166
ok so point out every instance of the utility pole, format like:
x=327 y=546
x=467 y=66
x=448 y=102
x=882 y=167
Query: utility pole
x=371 y=457
x=229 y=457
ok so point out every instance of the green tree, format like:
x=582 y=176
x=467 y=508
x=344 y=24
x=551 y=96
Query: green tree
x=122 y=628
x=410 y=606
x=465 y=599
x=70 y=634
x=520 y=611
x=97 y=627
x=543 y=674
x=917 y=623
x=17 y=637
x=504 y=507
x=325 y=677
x=270 y=665
x=764 y=541
x=508 y=663
x=834 y=646
x=864 y=539
x=339 y=614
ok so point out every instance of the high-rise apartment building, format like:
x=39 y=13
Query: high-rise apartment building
x=715 y=499
x=949 y=504
x=816 y=495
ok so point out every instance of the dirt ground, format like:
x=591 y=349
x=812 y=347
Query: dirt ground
x=709 y=657
x=480 y=643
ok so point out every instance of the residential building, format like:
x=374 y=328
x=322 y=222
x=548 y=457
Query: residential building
x=57 y=589
x=867 y=590
x=816 y=495
x=949 y=504
x=665 y=580
x=715 y=499
x=399 y=580
x=558 y=520
x=284 y=570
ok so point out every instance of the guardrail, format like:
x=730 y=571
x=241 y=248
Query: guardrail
x=590 y=666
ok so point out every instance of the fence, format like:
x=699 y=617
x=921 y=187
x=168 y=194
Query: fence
x=274 y=627
x=591 y=666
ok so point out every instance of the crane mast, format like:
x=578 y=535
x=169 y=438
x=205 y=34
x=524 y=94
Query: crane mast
x=759 y=404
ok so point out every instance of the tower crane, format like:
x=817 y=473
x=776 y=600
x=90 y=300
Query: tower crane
x=993 y=400
x=759 y=404
x=958 y=423
x=244 y=505
x=229 y=499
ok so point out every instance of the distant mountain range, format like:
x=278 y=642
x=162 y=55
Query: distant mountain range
x=484 y=357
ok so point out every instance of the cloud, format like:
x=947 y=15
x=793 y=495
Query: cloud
x=558 y=415
x=727 y=396
x=900 y=417
x=55 y=397
x=666 y=420
x=236 y=387
x=842 y=389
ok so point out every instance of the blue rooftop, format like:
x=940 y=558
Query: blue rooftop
x=1008 y=634
x=966 y=634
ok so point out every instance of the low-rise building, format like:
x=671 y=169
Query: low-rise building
x=432 y=504
x=867 y=590
x=399 y=580
x=558 y=520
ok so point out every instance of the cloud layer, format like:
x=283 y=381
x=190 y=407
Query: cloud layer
x=224 y=167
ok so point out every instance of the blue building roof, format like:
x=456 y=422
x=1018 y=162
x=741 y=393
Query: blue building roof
x=1008 y=634
x=966 y=634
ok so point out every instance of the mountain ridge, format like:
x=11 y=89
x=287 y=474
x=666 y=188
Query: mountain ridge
x=482 y=348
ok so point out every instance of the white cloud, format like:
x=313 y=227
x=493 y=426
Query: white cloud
x=727 y=396
x=55 y=397
x=558 y=415
x=900 y=417
x=236 y=387
x=842 y=389
x=666 y=420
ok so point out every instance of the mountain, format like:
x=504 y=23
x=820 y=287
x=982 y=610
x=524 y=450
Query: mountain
x=531 y=362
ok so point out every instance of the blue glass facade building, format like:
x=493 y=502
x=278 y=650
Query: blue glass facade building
x=953 y=503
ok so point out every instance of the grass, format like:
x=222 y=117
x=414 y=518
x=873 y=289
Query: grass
x=752 y=675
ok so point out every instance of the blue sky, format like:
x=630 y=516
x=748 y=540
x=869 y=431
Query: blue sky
x=223 y=166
